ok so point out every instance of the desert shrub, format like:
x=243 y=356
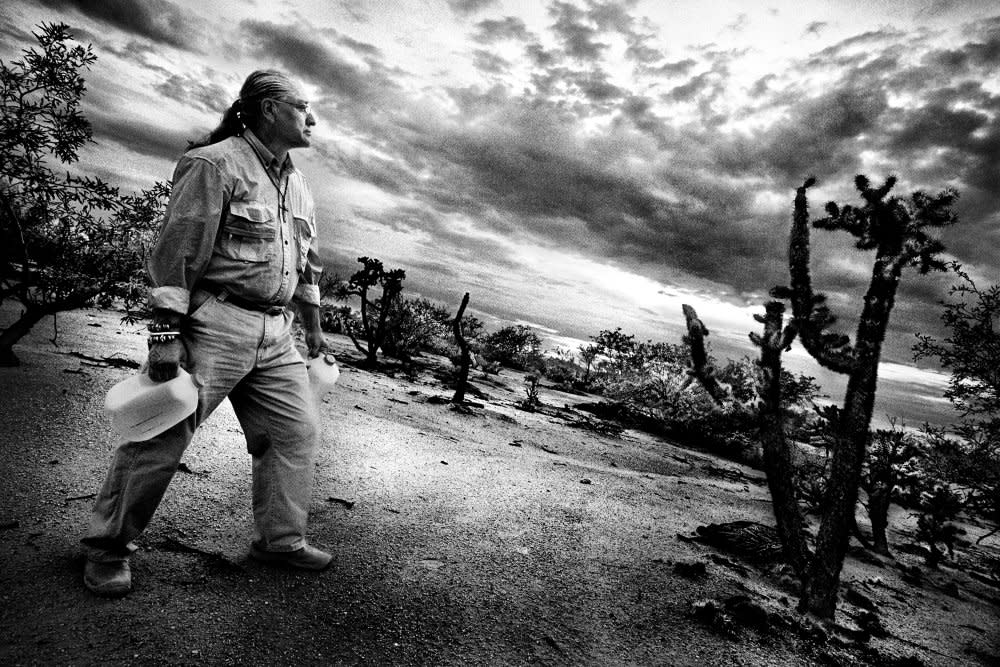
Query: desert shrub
x=340 y=320
x=363 y=285
x=810 y=483
x=415 y=326
x=939 y=506
x=968 y=462
x=892 y=470
x=517 y=347
x=617 y=356
x=66 y=240
x=563 y=371
x=813 y=468
x=531 y=400
x=660 y=398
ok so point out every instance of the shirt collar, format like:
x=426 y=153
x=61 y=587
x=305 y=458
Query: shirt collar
x=266 y=156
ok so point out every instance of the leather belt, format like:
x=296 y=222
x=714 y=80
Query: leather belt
x=223 y=294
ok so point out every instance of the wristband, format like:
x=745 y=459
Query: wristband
x=163 y=336
x=163 y=326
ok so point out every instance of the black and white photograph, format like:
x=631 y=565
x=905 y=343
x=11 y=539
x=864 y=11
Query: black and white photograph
x=500 y=332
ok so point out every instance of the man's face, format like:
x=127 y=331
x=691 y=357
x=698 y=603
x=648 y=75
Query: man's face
x=293 y=119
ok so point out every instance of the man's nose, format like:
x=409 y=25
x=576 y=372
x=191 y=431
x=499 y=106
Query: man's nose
x=310 y=119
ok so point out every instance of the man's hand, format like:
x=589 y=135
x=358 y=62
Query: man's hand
x=165 y=357
x=315 y=341
x=164 y=360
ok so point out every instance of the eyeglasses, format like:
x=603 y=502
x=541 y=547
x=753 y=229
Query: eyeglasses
x=298 y=104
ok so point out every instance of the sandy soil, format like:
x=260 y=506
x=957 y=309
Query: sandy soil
x=493 y=536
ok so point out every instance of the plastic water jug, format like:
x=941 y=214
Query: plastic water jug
x=323 y=373
x=141 y=408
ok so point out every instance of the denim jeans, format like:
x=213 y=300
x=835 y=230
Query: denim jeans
x=249 y=357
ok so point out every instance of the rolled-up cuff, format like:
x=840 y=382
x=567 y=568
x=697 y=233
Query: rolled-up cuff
x=305 y=293
x=176 y=299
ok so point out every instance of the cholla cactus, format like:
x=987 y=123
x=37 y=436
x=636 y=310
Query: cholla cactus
x=777 y=450
x=892 y=455
x=465 y=354
x=939 y=506
x=897 y=230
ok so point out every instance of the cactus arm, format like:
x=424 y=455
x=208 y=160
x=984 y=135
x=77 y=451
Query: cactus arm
x=809 y=314
x=700 y=368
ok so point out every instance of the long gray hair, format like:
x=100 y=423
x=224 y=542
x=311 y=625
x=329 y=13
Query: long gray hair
x=245 y=111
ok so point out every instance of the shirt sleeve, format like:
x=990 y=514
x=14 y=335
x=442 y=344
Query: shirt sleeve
x=307 y=290
x=184 y=247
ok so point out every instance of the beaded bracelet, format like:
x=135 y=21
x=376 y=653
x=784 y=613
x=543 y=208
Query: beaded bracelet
x=160 y=327
x=163 y=336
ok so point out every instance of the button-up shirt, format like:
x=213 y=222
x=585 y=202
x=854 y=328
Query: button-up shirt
x=240 y=220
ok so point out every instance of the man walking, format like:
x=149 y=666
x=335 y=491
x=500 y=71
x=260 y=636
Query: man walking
x=238 y=244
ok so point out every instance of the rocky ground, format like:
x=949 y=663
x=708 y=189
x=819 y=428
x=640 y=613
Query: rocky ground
x=486 y=536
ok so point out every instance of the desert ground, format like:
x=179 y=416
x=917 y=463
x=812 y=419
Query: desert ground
x=486 y=535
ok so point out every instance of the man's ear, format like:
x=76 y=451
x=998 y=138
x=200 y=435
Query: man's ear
x=267 y=109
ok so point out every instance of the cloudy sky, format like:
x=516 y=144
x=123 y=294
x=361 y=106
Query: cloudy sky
x=582 y=165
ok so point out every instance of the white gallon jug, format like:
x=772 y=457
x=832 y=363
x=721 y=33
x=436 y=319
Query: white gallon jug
x=323 y=373
x=140 y=408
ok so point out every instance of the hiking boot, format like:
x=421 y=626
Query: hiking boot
x=111 y=579
x=306 y=558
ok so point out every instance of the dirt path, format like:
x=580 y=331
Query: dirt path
x=498 y=537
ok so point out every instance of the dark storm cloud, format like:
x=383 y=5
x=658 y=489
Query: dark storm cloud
x=158 y=20
x=591 y=83
x=540 y=56
x=819 y=135
x=466 y=7
x=519 y=163
x=196 y=92
x=612 y=16
x=762 y=85
x=489 y=63
x=678 y=68
x=522 y=166
x=701 y=84
x=639 y=51
x=315 y=60
x=577 y=34
x=494 y=30
x=986 y=53
x=937 y=125
x=141 y=137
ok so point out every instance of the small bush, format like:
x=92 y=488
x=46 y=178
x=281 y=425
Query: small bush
x=531 y=401
x=939 y=507
x=517 y=347
x=340 y=320
x=415 y=326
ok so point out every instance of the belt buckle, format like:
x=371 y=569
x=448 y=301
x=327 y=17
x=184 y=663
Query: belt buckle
x=274 y=310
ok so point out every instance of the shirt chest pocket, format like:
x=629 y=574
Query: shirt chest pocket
x=248 y=232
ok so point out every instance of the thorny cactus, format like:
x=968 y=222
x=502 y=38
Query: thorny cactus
x=897 y=231
x=465 y=355
x=890 y=451
x=374 y=313
x=777 y=450
x=939 y=506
